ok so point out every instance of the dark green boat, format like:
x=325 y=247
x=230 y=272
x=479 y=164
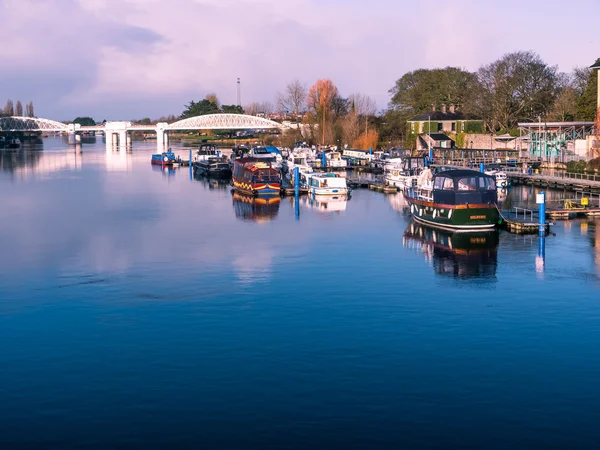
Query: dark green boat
x=456 y=200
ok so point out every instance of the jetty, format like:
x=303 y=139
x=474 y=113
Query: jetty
x=569 y=181
x=522 y=221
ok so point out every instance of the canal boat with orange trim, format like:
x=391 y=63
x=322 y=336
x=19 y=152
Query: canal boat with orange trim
x=255 y=177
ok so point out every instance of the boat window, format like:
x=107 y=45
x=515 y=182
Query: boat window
x=490 y=184
x=468 y=184
x=438 y=184
x=448 y=184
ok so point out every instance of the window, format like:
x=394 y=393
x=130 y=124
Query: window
x=440 y=126
x=468 y=184
x=447 y=184
x=453 y=126
x=438 y=184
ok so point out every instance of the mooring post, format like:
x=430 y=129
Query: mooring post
x=296 y=182
x=426 y=162
x=481 y=167
x=191 y=167
x=323 y=160
x=541 y=201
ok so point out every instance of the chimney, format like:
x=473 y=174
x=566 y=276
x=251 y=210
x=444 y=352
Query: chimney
x=452 y=108
x=433 y=107
x=444 y=108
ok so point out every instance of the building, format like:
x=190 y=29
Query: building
x=444 y=121
x=559 y=141
x=434 y=140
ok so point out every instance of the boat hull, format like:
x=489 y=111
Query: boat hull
x=205 y=170
x=454 y=217
x=257 y=189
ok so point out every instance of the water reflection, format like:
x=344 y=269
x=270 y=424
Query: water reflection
x=326 y=203
x=257 y=209
x=167 y=171
x=460 y=255
x=398 y=202
x=212 y=183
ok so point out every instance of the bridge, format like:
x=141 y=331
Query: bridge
x=118 y=132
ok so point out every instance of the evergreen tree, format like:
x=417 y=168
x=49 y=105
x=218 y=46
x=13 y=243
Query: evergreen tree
x=18 y=108
x=587 y=102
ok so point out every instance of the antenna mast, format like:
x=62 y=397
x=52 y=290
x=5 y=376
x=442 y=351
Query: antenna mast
x=239 y=95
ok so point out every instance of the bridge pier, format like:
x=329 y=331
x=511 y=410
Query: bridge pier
x=123 y=139
x=166 y=140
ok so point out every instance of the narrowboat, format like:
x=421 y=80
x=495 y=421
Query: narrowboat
x=253 y=176
x=458 y=200
x=164 y=158
x=319 y=183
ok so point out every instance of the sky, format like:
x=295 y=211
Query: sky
x=129 y=59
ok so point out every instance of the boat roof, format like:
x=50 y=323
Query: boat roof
x=461 y=173
x=254 y=164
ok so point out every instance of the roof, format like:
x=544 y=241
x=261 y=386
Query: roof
x=504 y=137
x=461 y=173
x=438 y=136
x=439 y=115
x=596 y=65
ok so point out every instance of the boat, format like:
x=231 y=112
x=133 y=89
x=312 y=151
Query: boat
x=14 y=143
x=335 y=160
x=500 y=177
x=460 y=255
x=404 y=174
x=267 y=155
x=257 y=209
x=165 y=158
x=319 y=183
x=213 y=167
x=458 y=200
x=208 y=161
x=296 y=160
x=254 y=176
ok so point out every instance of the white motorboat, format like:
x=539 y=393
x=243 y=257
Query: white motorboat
x=300 y=161
x=501 y=178
x=319 y=183
x=334 y=159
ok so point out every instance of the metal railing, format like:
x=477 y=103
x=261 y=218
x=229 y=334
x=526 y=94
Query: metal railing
x=525 y=213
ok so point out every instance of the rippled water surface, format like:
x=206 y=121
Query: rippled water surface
x=143 y=308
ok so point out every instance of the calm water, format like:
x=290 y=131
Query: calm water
x=141 y=308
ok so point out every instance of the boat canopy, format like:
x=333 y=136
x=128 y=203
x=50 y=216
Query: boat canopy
x=464 y=186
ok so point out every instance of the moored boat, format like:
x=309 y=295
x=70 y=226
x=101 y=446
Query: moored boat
x=319 y=183
x=459 y=200
x=500 y=177
x=217 y=167
x=255 y=177
x=164 y=158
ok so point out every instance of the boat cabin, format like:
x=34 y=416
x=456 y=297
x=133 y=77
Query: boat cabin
x=459 y=187
x=253 y=171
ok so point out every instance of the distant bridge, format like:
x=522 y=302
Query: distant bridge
x=110 y=129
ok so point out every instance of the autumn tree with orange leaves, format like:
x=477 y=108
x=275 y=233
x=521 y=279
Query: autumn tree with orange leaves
x=321 y=101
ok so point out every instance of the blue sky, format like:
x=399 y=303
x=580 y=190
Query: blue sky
x=128 y=59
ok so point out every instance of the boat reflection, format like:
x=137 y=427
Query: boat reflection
x=212 y=183
x=398 y=202
x=326 y=203
x=257 y=209
x=460 y=255
x=167 y=171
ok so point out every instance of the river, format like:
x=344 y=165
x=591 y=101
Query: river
x=143 y=308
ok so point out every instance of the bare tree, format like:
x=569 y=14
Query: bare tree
x=29 y=110
x=363 y=106
x=252 y=109
x=18 y=108
x=266 y=107
x=9 y=109
x=293 y=99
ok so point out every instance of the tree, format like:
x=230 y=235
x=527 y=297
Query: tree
x=200 y=108
x=85 y=121
x=416 y=91
x=9 y=109
x=29 y=110
x=367 y=140
x=320 y=101
x=252 y=109
x=18 y=109
x=518 y=86
x=232 y=109
x=587 y=101
x=292 y=99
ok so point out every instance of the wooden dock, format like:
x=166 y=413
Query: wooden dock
x=375 y=185
x=522 y=221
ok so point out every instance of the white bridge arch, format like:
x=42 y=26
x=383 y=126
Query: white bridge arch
x=224 y=122
x=17 y=123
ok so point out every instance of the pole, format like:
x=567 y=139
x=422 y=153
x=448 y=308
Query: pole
x=296 y=182
x=323 y=160
x=541 y=201
x=191 y=166
x=482 y=167
x=429 y=136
